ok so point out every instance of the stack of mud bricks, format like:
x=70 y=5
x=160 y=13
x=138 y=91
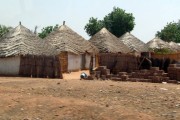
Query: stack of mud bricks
x=101 y=73
x=141 y=76
x=122 y=76
x=153 y=75
x=157 y=76
x=174 y=71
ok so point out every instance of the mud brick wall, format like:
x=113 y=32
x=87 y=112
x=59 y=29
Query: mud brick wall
x=118 y=62
x=40 y=66
x=174 y=71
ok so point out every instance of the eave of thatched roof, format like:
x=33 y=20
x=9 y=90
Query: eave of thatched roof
x=157 y=43
x=21 y=41
x=106 y=42
x=174 y=46
x=133 y=43
x=65 y=39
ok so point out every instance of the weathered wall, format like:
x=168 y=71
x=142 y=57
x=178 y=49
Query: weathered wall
x=9 y=66
x=174 y=56
x=118 y=62
x=74 y=62
x=63 y=57
x=88 y=59
x=40 y=66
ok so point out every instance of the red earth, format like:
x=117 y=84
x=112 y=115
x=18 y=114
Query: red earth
x=74 y=99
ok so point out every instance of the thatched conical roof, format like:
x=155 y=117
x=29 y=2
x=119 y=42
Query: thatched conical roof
x=106 y=42
x=133 y=43
x=21 y=41
x=65 y=39
x=174 y=46
x=157 y=43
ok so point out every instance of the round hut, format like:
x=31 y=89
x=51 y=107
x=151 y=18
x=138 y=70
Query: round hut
x=174 y=46
x=19 y=42
x=133 y=43
x=106 y=42
x=74 y=51
x=159 y=44
x=113 y=53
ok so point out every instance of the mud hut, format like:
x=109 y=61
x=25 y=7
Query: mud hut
x=157 y=43
x=114 y=54
x=133 y=43
x=18 y=45
x=75 y=52
x=174 y=46
x=106 y=42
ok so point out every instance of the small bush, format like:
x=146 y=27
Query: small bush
x=162 y=51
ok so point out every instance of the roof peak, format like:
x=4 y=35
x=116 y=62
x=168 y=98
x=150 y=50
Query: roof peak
x=64 y=22
x=105 y=41
x=127 y=33
x=63 y=27
x=157 y=39
x=104 y=30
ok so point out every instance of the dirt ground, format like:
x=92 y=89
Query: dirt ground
x=74 y=99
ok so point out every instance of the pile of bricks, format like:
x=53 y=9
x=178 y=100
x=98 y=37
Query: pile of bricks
x=174 y=71
x=154 y=75
x=100 y=73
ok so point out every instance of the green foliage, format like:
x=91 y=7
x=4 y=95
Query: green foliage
x=4 y=30
x=93 y=26
x=47 y=30
x=117 y=22
x=171 y=32
x=162 y=51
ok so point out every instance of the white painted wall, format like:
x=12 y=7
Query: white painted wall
x=74 y=62
x=88 y=59
x=9 y=66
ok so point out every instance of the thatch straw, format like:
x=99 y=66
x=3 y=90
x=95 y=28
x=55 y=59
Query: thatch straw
x=157 y=43
x=174 y=46
x=133 y=43
x=65 y=39
x=21 y=41
x=108 y=43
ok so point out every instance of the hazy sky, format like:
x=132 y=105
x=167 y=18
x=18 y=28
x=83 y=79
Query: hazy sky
x=150 y=15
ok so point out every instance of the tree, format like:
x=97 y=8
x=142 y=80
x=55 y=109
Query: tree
x=4 y=30
x=171 y=32
x=117 y=22
x=47 y=30
x=93 y=26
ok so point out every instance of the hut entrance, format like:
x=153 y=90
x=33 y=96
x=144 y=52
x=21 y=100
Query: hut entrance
x=145 y=63
x=94 y=60
x=83 y=63
x=63 y=57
